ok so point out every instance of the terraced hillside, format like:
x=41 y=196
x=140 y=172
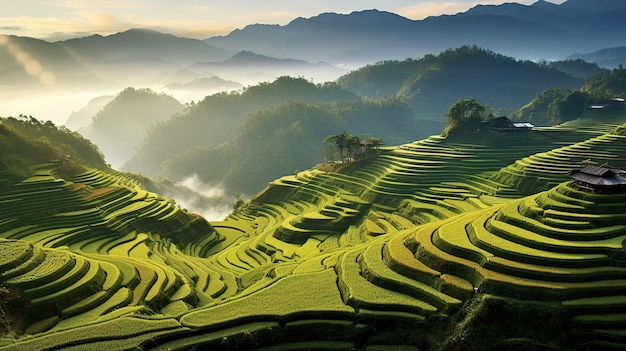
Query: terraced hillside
x=435 y=245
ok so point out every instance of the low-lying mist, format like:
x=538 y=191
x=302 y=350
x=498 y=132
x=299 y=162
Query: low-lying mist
x=210 y=201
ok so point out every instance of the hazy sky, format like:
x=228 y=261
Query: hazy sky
x=60 y=19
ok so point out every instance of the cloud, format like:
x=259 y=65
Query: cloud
x=48 y=28
x=195 y=183
x=209 y=201
x=100 y=4
x=432 y=8
x=11 y=28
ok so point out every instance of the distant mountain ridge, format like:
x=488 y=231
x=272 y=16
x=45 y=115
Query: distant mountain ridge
x=540 y=30
x=609 y=57
x=144 y=43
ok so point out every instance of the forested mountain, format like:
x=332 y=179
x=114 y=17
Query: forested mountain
x=578 y=68
x=121 y=125
x=433 y=83
x=214 y=120
x=558 y=105
x=284 y=139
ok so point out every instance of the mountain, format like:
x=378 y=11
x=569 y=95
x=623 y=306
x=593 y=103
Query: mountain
x=250 y=67
x=609 y=57
x=434 y=83
x=216 y=118
x=206 y=84
x=135 y=56
x=560 y=104
x=540 y=30
x=84 y=116
x=122 y=124
x=30 y=60
x=577 y=68
x=142 y=45
x=288 y=137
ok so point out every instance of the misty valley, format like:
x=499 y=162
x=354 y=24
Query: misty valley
x=357 y=181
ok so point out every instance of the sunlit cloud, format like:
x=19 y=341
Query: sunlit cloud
x=278 y=17
x=100 y=4
x=433 y=8
x=50 y=27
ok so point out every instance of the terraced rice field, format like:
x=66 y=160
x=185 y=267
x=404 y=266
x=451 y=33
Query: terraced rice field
x=398 y=254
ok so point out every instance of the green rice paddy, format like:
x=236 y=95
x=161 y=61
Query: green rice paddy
x=322 y=260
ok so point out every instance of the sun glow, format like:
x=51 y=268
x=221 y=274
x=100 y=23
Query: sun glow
x=30 y=65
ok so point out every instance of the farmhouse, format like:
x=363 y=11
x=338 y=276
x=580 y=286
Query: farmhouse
x=505 y=125
x=596 y=179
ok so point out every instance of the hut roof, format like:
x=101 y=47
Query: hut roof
x=604 y=176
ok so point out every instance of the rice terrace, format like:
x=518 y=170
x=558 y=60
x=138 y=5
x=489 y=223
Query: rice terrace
x=434 y=242
x=374 y=180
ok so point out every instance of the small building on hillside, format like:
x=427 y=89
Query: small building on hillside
x=599 y=179
x=598 y=107
x=504 y=125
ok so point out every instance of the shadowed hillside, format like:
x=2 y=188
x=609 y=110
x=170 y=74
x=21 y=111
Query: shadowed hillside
x=287 y=138
x=433 y=83
x=558 y=105
x=215 y=119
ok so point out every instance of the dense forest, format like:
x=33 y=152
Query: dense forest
x=284 y=139
x=560 y=104
x=221 y=132
x=214 y=120
x=435 y=82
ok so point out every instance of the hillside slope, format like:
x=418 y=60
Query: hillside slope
x=422 y=247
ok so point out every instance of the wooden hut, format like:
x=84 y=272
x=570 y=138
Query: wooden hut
x=603 y=180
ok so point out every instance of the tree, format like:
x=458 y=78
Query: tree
x=349 y=145
x=353 y=144
x=463 y=112
x=339 y=141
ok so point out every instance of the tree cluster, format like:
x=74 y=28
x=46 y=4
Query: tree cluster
x=463 y=113
x=349 y=147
